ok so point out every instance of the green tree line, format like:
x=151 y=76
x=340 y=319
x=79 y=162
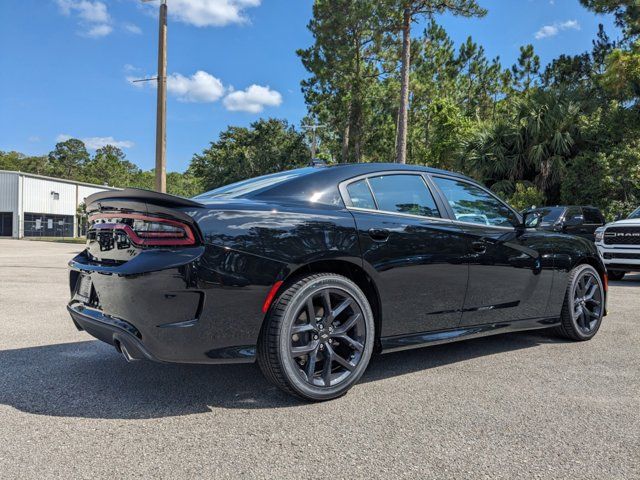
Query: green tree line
x=565 y=133
x=381 y=91
x=266 y=146
x=108 y=166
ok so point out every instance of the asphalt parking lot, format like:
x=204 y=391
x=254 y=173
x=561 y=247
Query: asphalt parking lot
x=511 y=406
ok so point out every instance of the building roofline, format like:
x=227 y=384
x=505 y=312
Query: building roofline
x=63 y=180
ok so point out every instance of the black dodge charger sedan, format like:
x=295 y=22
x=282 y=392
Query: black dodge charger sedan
x=311 y=271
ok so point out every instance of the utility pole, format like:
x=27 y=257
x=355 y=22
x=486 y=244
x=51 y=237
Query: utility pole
x=314 y=137
x=161 y=114
x=161 y=105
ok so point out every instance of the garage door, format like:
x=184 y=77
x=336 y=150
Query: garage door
x=6 y=224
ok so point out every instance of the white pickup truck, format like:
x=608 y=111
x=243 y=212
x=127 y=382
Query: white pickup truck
x=619 y=245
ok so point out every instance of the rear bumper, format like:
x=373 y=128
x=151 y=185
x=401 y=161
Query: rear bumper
x=173 y=306
x=122 y=335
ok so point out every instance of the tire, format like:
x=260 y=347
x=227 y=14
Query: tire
x=295 y=346
x=583 y=306
x=616 y=275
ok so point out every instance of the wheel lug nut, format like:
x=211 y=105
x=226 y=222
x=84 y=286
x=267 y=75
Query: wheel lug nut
x=315 y=337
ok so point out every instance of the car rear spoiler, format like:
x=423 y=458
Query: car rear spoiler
x=138 y=195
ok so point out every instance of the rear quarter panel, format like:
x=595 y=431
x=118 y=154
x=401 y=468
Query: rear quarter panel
x=247 y=250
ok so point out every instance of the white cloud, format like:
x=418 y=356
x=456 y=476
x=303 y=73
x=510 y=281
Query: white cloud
x=553 y=30
x=252 y=100
x=132 y=28
x=201 y=87
x=97 y=31
x=90 y=11
x=211 y=13
x=94 y=143
x=547 y=31
x=92 y=16
x=570 y=24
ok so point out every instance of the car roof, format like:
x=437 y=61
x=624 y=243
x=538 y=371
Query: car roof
x=336 y=173
x=373 y=167
x=324 y=178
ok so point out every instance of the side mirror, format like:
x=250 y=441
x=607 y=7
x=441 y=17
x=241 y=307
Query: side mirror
x=531 y=219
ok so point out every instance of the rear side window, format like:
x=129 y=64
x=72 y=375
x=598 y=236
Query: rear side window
x=472 y=204
x=360 y=195
x=592 y=215
x=252 y=185
x=403 y=194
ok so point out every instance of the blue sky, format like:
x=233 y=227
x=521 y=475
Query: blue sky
x=65 y=65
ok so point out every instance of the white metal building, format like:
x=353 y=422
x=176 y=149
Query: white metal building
x=35 y=205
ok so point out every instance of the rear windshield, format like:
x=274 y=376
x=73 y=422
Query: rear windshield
x=253 y=185
x=550 y=215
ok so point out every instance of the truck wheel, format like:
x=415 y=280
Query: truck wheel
x=616 y=275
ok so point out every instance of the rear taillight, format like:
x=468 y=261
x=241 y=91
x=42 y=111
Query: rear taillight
x=145 y=230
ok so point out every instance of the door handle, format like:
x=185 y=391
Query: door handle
x=379 y=234
x=479 y=247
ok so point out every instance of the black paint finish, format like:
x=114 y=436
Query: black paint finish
x=421 y=271
x=428 y=279
x=510 y=276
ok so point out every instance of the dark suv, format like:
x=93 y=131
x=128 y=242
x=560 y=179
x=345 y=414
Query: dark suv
x=580 y=221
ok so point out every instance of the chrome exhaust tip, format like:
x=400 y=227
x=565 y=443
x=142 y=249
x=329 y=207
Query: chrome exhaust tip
x=122 y=348
x=125 y=353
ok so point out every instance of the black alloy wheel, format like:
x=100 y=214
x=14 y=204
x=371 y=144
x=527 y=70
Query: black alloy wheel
x=327 y=337
x=587 y=302
x=318 y=337
x=584 y=304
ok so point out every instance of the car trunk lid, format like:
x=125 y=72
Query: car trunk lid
x=124 y=223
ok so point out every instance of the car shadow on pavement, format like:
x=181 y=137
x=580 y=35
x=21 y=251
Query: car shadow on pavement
x=91 y=380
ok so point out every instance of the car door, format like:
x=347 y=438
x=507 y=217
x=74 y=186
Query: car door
x=419 y=257
x=510 y=269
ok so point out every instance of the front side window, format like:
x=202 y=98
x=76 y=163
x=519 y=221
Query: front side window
x=472 y=204
x=403 y=194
